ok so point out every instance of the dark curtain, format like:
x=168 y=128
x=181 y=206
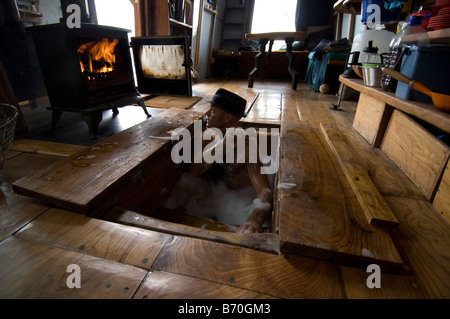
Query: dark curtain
x=313 y=13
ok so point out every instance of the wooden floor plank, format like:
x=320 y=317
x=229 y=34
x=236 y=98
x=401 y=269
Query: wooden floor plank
x=319 y=214
x=74 y=231
x=283 y=276
x=45 y=147
x=266 y=109
x=33 y=270
x=391 y=286
x=164 y=285
x=423 y=240
x=25 y=164
x=16 y=210
x=94 y=180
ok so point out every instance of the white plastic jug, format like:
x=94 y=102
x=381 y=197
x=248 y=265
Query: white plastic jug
x=379 y=38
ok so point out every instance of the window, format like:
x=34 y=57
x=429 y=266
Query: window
x=116 y=13
x=274 y=16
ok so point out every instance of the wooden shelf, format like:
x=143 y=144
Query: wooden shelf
x=424 y=111
x=177 y=23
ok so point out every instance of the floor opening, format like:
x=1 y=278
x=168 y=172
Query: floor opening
x=206 y=206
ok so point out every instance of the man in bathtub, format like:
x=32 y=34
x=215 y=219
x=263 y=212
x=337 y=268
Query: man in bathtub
x=239 y=174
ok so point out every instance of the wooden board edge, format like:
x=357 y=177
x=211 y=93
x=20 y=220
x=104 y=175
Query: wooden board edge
x=266 y=242
x=339 y=258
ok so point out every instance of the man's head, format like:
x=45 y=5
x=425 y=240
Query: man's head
x=227 y=109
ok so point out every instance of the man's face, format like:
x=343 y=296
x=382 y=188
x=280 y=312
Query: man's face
x=217 y=118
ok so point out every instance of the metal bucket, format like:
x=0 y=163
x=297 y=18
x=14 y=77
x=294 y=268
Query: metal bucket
x=372 y=74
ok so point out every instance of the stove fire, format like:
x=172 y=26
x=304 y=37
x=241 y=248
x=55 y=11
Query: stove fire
x=97 y=57
x=102 y=65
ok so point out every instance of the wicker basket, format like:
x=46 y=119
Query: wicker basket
x=8 y=117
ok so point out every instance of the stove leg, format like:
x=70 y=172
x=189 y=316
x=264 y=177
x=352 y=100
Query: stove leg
x=56 y=115
x=142 y=104
x=115 y=111
x=92 y=120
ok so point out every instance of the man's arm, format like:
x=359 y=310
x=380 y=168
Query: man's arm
x=262 y=203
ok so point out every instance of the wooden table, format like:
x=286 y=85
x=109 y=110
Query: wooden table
x=269 y=37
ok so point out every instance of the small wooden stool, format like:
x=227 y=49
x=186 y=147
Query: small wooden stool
x=264 y=38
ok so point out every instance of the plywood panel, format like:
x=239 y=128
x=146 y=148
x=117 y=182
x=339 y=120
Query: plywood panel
x=95 y=237
x=94 y=180
x=420 y=155
x=33 y=270
x=442 y=199
x=173 y=286
x=319 y=216
x=371 y=118
x=284 y=276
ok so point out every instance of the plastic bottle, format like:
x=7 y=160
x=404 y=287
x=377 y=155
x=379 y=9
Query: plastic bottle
x=411 y=34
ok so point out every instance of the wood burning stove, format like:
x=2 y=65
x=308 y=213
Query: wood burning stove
x=89 y=70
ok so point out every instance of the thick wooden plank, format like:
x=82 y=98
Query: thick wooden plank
x=289 y=110
x=94 y=180
x=424 y=111
x=99 y=238
x=393 y=286
x=375 y=208
x=34 y=270
x=45 y=147
x=423 y=238
x=164 y=285
x=319 y=214
x=267 y=242
x=283 y=276
x=420 y=155
x=442 y=199
x=371 y=118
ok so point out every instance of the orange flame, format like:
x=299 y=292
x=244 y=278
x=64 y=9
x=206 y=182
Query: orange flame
x=99 y=51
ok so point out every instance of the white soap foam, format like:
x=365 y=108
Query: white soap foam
x=214 y=201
